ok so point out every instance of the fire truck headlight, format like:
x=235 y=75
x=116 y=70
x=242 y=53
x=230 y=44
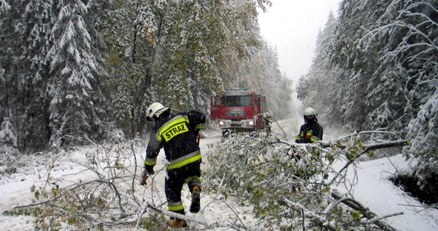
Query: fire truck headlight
x=221 y=123
x=251 y=123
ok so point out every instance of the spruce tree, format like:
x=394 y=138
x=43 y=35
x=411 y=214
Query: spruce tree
x=74 y=84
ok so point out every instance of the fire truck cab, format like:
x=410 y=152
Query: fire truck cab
x=239 y=110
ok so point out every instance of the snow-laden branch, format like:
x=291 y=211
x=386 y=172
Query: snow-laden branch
x=373 y=219
x=4 y=6
x=209 y=224
x=377 y=219
x=308 y=213
x=358 y=134
x=370 y=36
x=402 y=20
x=366 y=149
x=275 y=176
x=418 y=4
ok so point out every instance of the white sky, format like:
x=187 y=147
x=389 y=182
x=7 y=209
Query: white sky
x=291 y=27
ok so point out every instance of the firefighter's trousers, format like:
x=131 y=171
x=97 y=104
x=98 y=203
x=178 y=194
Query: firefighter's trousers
x=190 y=174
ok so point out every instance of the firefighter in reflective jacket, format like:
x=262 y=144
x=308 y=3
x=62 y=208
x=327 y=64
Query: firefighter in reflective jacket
x=178 y=134
x=310 y=131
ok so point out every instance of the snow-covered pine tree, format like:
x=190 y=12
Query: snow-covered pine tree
x=4 y=96
x=74 y=84
x=415 y=28
x=11 y=95
x=8 y=140
x=5 y=54
x=357 y=66
x=401 y=42
x=32 y=72
x=423 y=130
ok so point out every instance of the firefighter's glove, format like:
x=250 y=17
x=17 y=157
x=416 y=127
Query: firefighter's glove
x=144 y=177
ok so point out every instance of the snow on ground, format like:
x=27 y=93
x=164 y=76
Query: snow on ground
x=70 y=168
x=15 y=189
x=372 y=188
x=375 y=191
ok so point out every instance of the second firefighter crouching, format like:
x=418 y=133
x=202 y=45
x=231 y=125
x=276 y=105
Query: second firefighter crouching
x=310 y=131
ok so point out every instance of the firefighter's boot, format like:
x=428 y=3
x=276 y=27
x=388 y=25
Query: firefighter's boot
x=196 y=199
x=176 y=223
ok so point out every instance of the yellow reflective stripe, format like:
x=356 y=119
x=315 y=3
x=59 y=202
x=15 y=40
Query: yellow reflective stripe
x=200 y=126
x=158 y=137
x=175 y=207
x=173 y=121
x=314 y=139
x=150 y=162
x=185 y=157
x=185 y=160
x=176 y=126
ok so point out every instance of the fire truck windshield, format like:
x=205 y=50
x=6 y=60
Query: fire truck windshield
x=236 y=101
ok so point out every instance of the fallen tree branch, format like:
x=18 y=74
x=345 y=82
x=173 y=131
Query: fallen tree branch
x=209 y=225
x=366 y=149
x=376 y=219
x=365 y=212
x=307 y=213
x=66 y=191
x=389 y=144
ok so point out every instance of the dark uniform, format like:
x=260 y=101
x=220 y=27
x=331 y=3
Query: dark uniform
x=310 y=132
x=178 y=134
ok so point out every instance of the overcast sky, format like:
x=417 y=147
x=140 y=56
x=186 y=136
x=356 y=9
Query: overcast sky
x=292 y=26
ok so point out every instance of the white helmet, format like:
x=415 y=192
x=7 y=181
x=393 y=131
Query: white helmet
x=155 y=109
x=310 y=111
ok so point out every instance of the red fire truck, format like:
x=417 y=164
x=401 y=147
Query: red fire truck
x=239 y=110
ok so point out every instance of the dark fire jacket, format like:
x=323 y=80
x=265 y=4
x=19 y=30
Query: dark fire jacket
x=310 y=133
x=178 y=135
